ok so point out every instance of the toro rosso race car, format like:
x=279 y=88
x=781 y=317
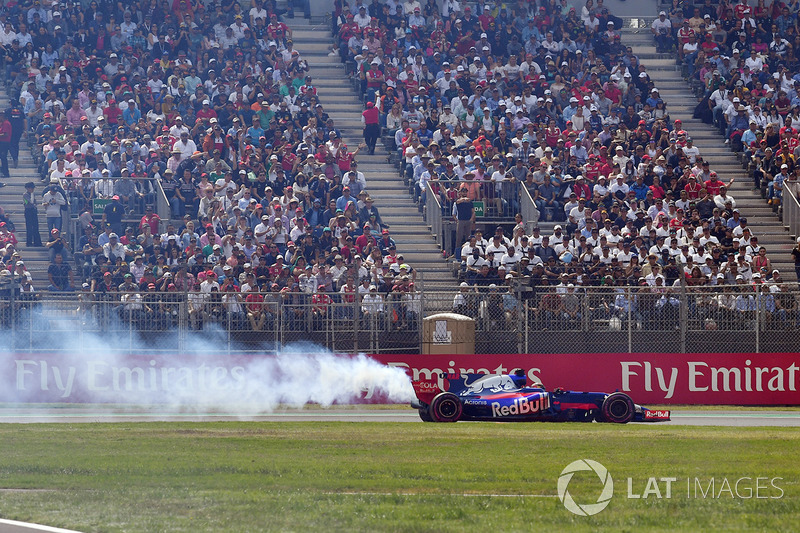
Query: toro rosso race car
x=509 y=398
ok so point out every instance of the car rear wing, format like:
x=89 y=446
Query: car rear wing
x=427 y=389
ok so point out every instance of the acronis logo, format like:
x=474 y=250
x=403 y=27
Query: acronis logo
x=521 y=406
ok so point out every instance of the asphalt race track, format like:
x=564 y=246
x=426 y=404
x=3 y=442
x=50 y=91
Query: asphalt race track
x=681 y=417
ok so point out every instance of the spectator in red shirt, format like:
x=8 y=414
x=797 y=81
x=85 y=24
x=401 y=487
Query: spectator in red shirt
x=372 y=129
x=5 y=146
x=693 y=188
x=256 y=314
x=150 y=219
x=365 y=242
x=344 y=158
x=112 y=112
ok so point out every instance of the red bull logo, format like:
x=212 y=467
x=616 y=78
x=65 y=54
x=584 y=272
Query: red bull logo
x=522 y=406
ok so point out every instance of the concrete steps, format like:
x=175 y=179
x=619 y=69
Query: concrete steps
x=36 y=259
x=384 y=184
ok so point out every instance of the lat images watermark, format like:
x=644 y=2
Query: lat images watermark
x=658 y=488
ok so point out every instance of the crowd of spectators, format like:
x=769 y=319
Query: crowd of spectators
x=486 y=102
x=745 y=58
x=483 y=102
x=210 y=103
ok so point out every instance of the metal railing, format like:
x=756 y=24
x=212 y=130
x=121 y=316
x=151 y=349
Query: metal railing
x=530 y=214
x=517 y=318
x=491 y=205
x=162 y=202
x=637 y=24
x=433 y=215
x=791 y=207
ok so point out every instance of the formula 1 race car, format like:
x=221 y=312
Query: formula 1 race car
x=509 y=398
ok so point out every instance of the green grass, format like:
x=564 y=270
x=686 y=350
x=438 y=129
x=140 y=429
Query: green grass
x=340 y=476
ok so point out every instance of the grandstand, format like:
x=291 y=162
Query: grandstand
x=516 y=138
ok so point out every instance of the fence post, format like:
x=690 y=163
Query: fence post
x=183 y=322
x=526 y=328
x=130 y=332
x=630 y=321
x=418 y=325
x=31 y=322
x=280 y=327
x=356 y=320
x=13 y=308
x=520 y=316
x=585 y=319
x=683 y=320
x=228 y=329
x=759 y=305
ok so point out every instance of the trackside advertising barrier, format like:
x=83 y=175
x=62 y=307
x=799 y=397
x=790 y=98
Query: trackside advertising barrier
x=654 y=378
x=650 y=378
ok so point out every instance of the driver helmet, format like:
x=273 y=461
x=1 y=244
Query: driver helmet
x=519 y=379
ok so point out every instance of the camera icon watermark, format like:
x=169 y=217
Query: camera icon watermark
x=585 y=509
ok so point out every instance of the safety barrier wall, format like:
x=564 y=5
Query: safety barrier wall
x=649 y=378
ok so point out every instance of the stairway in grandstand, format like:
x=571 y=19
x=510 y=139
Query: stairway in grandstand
x=340 y=101
x=681 y=102
x=36 y=259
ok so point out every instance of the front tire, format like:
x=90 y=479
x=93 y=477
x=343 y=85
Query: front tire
x=618 y=408
x=446 y=407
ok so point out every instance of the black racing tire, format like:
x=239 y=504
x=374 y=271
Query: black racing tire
x=424 y=414
x=618 y=408
x=446 y=407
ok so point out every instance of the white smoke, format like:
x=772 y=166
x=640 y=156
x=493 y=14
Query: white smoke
x=296 y=378
x=92 y=368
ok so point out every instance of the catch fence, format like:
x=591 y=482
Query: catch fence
x=508 y=319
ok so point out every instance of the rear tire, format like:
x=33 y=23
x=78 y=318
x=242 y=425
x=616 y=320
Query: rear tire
x=425 y=415
x=618 y=408
x=446 y=407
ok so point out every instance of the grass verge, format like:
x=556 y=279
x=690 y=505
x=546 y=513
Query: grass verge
x=232 y=476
